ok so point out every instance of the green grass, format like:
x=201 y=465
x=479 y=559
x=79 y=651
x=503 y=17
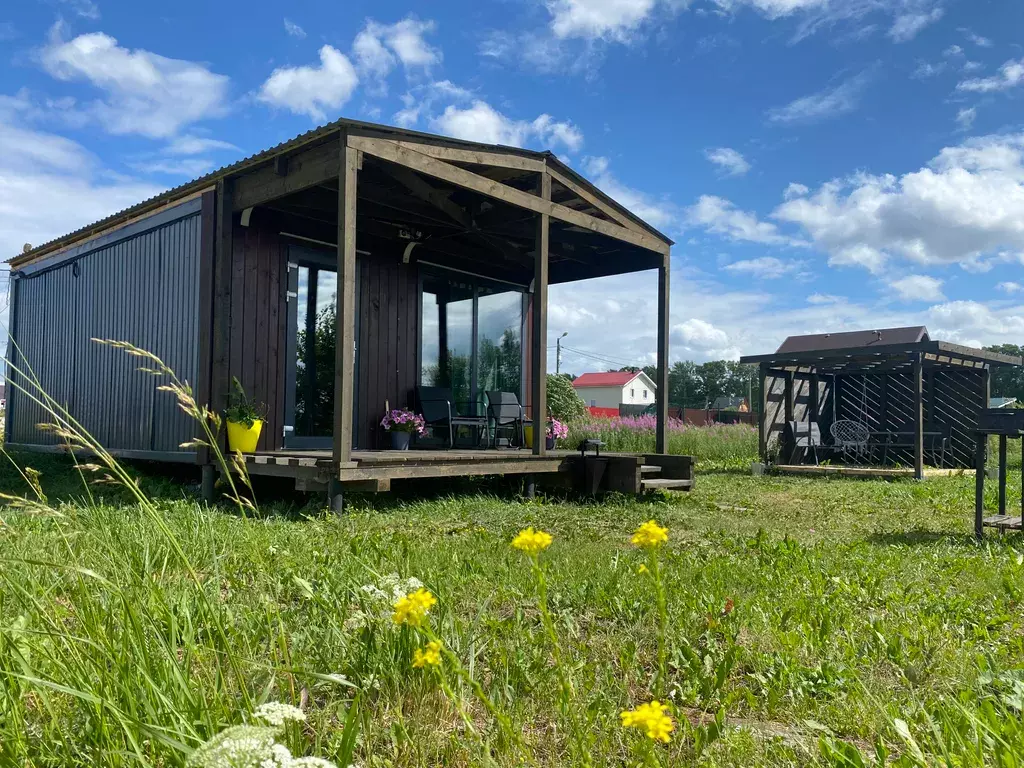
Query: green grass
x=720 y=446
x=858 y=606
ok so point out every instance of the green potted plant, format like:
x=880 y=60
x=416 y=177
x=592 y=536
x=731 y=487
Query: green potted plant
x=245 y=419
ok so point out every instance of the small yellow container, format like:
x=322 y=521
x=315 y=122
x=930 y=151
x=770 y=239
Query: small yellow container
x=243 y=438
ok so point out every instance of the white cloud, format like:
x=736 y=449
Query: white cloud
x=197 y=145
x=660 y=214
x=87 y=9
x=50 y=185
x=1011 y=74
x=925 y=70
x=721 y=217
x=978 y=40
x=918 y=288
x=968 y=202
x=1010 y=287
x=293 y=29
x=311 y=90
x=608 y=19
x=145 y=93
x=764 y=267
x=965 y=118
x=823 y=105
x=906 y=26
x=696 y=335
x=404 y=39
x=187 y=167
x=482 y=122
x=731 y=162
x=421 y=99
x=953 y=50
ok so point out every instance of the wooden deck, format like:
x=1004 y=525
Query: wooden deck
x=374 y=470
x=830 y=470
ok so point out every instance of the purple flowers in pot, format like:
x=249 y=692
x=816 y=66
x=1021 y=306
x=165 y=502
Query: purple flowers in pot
x=404 y=420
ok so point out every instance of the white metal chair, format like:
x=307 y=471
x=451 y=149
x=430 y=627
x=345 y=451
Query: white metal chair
x=850 y=437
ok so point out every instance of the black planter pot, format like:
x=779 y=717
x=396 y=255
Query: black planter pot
x=400 y=440
x=550 y=443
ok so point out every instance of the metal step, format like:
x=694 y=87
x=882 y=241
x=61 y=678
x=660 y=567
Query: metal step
x=650 y=469
x=666 y=484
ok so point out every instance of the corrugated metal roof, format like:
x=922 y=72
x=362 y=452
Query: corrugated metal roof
x=309 y=137
x=820 y=342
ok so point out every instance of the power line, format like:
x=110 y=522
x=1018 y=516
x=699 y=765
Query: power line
x=600 y=358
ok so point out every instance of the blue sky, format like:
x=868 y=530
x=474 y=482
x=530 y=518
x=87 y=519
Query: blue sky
x=821 y=164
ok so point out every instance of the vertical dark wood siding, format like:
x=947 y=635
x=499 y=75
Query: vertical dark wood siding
x=388 y=341
x=257 y=350
x=388 y=344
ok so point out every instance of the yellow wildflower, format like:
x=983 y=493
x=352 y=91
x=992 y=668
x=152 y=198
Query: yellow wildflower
x=431 y=655
x=413 y=608
x=642 y=568
x=532 y=542
x=652 y=719
x=650 y=534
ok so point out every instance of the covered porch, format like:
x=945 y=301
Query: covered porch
x=366 y=262
x=885 y=403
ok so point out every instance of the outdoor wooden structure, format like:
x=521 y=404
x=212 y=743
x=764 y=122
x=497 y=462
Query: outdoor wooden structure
x=907 y=400
x=1005 y=424
x=374 y=210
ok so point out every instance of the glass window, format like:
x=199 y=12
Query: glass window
x=314 y=365
x=645 y=394
x=593 y=403
x=453 y=307
x=632 y=393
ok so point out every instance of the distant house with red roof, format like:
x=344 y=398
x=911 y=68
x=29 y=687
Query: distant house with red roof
x=609 y=390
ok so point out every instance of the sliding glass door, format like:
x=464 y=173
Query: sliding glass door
x=471 y=338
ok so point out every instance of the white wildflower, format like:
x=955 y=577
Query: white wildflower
x=311 y=762
x=241 y=746
x=277 y=714
x=380 y=598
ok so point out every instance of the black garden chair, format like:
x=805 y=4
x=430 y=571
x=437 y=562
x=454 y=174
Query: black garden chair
x=440 y=411
x=505 y=413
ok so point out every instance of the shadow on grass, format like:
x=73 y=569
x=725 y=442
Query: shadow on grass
x=920 y=537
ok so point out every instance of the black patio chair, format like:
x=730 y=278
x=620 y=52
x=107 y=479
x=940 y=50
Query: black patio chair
x=440 y=411
x=504 y=412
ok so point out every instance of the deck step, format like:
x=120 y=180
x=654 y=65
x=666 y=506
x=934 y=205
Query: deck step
x=1004 y=522
x=650 y=469
x=666 y=484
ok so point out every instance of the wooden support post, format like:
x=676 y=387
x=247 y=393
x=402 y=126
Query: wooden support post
x=209 y=483
x=530 y=486
x=661 y=396
x=979 y=485
x=1002 y=474
x=344 y=352
x=790 y=406
x=918 y=414
x=762 y=413
x=539 y=340
x=813 y=406
x=1022 y=484
x=207 y=266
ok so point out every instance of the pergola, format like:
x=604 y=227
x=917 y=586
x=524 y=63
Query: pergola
x=911 y=395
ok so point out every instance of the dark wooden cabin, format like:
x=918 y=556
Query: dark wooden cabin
x=878 y=400
x=331 y=275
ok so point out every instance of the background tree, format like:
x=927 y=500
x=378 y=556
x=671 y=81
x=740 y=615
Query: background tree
x=1008 y=381
x=563 y=402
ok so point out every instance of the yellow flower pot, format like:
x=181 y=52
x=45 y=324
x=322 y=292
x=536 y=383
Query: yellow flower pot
x=528 y=435
x=243 y=438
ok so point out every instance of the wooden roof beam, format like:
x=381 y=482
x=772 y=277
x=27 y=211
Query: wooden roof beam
x=393 y=152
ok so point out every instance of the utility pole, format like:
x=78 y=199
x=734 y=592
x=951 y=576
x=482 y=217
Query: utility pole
x=558 y=353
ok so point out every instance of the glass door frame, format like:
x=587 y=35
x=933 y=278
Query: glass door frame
x=298 y=256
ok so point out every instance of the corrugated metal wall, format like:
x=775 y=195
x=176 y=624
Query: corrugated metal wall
x=143 y=289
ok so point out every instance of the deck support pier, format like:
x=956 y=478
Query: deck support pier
x=209 y=483
x=530 y=486
x=344 y=352
x=661 y=397
x=335 y=496
x=539 y=338
x=762 y=413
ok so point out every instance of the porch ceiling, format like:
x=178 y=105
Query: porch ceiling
x=424 y=218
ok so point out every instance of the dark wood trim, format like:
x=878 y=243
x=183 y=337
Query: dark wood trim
x=980 y=451
x=788 y=395
x=762 y=412
x=344 y=354
x=664 y=323
x=305 y=169
x=540 y=322
x=220 y=376
x=918 y=384
x=1002 y=474
x=207 y=266
x=12 y=350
